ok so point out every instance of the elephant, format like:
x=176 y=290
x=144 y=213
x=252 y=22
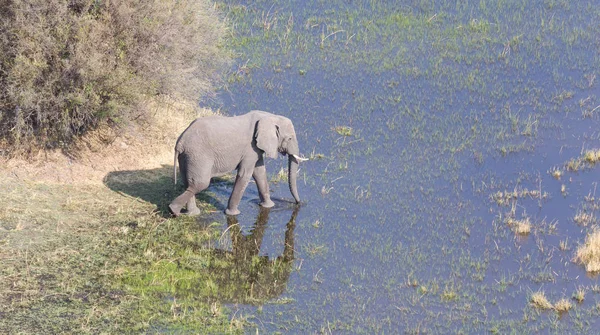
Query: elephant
x=215 y=145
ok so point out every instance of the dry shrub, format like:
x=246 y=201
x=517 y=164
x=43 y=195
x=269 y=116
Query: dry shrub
x=69 y=66
x=588 y=254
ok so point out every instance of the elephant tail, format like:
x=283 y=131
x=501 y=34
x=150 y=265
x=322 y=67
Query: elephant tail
x=175 y=167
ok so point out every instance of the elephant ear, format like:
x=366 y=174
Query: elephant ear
x=267 y=136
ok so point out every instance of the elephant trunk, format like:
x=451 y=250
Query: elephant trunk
x=292 y=176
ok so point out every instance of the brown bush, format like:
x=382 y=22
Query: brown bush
x=68 y=66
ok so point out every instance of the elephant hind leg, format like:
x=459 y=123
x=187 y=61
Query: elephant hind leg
x=192 y=208
x=188 y=197
x=195 y=178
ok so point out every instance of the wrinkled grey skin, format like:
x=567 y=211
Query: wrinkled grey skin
x=215 y=145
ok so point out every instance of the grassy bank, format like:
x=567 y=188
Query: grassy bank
x=87 y=246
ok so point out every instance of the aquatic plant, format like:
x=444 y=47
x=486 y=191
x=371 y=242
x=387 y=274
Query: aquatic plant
x=579 y=295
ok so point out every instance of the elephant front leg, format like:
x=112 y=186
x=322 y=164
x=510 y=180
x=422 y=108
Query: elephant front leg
x=260 y=177
x=241 y=181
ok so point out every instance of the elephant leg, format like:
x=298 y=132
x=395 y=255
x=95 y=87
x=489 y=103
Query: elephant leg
x=241 y=181
x=192 y=208
x=260 y=177
x=188 y=197
x=195 y=183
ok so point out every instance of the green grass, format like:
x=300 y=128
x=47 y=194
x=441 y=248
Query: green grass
x=86 y=259
x=344 y=130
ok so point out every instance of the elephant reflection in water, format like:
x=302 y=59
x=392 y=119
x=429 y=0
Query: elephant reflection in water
x=242 y=275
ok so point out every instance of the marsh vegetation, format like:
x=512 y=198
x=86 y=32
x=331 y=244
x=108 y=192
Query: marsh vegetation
x=457 y=170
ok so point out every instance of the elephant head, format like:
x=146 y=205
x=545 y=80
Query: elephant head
x=276 y=134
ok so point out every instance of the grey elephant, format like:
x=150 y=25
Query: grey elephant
x=215 y=145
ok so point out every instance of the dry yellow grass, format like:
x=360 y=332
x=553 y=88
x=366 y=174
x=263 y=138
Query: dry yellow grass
x=67 y=190
x=539 y=300
x=102 y=151
x=592 y=156
x=584 y=218
x=588 y=254
x=521 y=227
x=588 y=159
x=563 y=305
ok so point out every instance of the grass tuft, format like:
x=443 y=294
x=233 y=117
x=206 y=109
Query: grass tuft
x=281 y=176
x=592 y=156
x=563 y=305
x=556 y=173
x=588 y=254
x=344 y=130
x=505 y=198
x=584 y=218
x=521 y=227
x=539 y=301
x=587 y=160
x=579 y=295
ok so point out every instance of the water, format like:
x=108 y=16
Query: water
x=448 y=104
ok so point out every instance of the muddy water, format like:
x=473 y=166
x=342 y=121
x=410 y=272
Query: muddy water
x=416 y=116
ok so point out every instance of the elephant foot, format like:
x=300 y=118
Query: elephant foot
x=193 y=211
x=175 y=210
x=267 y=204
x=232 y=212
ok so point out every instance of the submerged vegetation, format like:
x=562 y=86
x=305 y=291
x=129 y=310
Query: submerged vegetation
x=436 y=122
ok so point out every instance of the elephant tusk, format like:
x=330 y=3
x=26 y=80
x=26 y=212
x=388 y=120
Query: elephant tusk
x=299 y=159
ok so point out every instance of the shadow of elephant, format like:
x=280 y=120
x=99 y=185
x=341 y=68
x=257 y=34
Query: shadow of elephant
x=241 y=274
x=156 y=187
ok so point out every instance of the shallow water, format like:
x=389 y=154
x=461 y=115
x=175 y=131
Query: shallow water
x=448 y=104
